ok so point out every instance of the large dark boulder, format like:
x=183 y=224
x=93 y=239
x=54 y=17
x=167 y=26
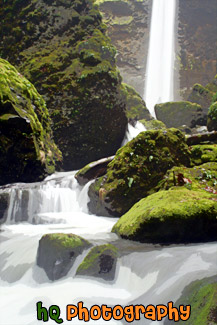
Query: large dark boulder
x=100 y=262
x=212 y=117
x=27 y=150
x=62 y=48
x=57 y=253
x=136 y=170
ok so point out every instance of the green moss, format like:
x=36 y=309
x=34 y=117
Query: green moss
x=65 y=240
x=93 y=256
x=175 y=114
x=202 y=153
x=135 y=105
x=137 y=168
x=72 y=64
x=25 y=123
x=202 y=178
x=153 y=124
x=202 y=296
x=169 y=216
x=212 y=117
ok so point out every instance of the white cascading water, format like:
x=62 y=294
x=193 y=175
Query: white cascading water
x=145 y=274
x=159 y=86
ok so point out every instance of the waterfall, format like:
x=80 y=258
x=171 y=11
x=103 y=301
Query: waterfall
x=160 y=63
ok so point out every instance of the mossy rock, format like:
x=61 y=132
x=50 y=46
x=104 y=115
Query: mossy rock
x=199 y=178
x=178 y=215
x=62 y=48
x=100 y=262
x=202 y=153
x=57 y=253
x=27 y=150
x=212 y=117
x=176 y=114
x=153 y=124
x=201 y=95
x=201 y=295
x=135 y=106
x=136 y=170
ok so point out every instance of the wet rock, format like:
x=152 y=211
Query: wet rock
x=4 y=203
x=100 y=262
x=57 y=253
x=178 y=215
x=93 y=170
x=176 y=114
x=136 y=170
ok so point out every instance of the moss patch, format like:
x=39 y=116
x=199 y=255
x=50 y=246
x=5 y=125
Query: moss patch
x=27 y=150
x=173 y=216
x=136 y=170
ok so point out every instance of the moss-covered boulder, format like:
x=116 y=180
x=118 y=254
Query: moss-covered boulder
x=178 y=215
x=201 y=295
x=100 y=262
x=153 y=124
x=135 y=105
x=201 y=95
x=202 y=153
x=27 y=150
x=136 y=170
x=57 y=253
x=212 y=117
x=175 y=114
x=62 y=48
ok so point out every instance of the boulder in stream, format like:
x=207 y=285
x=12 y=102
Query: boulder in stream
x=100 y=262
x=178 y=215
x=136 y=170
x=57 y=253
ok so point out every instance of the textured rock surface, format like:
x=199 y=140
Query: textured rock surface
x=128 y=27
x=136 y=170
x=62 y=48
x=4 y=202
x=174 y=216
x=93 y=170
x=27 y=151
x=212 y=117
x=100 y=262
x=57 y=253
x=197 y=41
x=175 y=114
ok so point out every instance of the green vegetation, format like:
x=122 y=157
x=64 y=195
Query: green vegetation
x=136 y=170
x=173 y=216
x=25 y=129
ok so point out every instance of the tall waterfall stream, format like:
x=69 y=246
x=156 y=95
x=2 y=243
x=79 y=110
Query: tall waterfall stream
x=160 y=65
x=145 y=274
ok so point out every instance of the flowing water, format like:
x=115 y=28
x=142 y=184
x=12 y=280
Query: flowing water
x=145 y=274
x=160 y=63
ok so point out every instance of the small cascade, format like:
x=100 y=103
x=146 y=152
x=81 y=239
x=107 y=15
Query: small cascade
x=57 y=194
x=160 y=63
x=133 y=131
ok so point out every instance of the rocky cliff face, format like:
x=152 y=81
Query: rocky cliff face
x=127 y=22
x=61 y=47
x=197 y=40
x=128 y=26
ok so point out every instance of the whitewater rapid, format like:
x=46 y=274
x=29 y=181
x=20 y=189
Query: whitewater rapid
x=145 y=274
